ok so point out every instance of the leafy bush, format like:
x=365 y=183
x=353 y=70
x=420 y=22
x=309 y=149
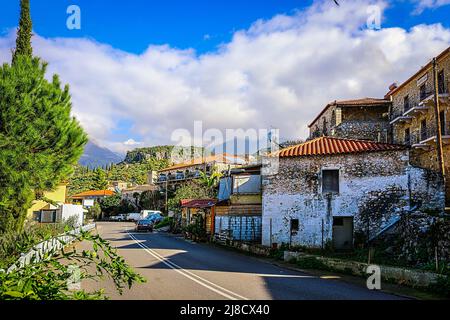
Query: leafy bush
x=311 y=263
x=442 y=286
x=165 y=223
x=13 y=243
x=196 y=230
x=50 y=278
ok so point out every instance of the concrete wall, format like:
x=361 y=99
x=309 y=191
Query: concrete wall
x=372 y=187
x=70 y=210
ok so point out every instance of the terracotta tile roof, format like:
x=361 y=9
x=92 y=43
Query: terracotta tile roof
x=221 y=158
x=198 y=203
x=94 y=193
x=333 y=146
x=352 y=103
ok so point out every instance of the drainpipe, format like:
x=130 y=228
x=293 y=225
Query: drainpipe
x=440 y=151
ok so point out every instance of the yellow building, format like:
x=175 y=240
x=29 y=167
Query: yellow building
x=58 y=196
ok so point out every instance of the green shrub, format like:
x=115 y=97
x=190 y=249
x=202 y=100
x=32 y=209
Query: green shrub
x=311 y=263
x=49 y=279
x=165 y=223
x=442 y=286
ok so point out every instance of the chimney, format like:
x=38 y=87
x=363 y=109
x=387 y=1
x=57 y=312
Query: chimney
x=393 y=86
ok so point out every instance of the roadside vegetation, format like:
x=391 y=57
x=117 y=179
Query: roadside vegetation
x=40 y=143
x=53 y=277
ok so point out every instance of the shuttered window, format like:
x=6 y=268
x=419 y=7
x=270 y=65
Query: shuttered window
x=330 y=181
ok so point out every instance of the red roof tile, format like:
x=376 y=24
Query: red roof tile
x=333 y=146
x=198 y=203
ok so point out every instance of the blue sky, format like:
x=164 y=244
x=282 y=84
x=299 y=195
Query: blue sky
x=200 y=24
x=254 y=64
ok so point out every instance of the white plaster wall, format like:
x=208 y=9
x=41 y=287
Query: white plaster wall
x=286 y=197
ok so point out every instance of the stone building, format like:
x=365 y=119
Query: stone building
x=413 y=116
x=363 y=119
x=331 y=191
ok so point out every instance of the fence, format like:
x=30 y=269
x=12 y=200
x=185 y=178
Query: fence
x=239 y=228
x=53 y=245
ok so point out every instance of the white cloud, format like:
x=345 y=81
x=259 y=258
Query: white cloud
x=280 y=72
x=422 y=5
x=132 y=142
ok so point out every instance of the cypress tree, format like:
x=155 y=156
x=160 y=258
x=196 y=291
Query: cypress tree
x=40 y=142
x=24 y=33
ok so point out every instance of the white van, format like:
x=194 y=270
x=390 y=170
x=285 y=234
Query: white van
x=146 y=213
x=134 y=217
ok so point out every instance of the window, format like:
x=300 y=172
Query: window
x=441 y=82
x=338 y=116
x=333 y=118
x=338 y=221
x=294 y=225
x=406 y=103
x=408 y=136
x=330 y=181
x=423 y=92
x=443 y=124
x=423 y=130
x=324 y=127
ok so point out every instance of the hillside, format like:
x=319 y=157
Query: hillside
x=172 y=154
x=95 y=156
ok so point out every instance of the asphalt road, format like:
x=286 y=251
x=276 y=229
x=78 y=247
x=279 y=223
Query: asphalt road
x=176 y=269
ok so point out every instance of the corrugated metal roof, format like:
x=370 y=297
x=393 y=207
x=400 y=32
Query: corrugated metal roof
x=198 y=203
x=332 y=146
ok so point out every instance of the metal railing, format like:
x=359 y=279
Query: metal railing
x=419 y=136
x=52 y=246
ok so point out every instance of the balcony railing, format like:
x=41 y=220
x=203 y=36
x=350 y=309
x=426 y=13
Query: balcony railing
x=422 y=137
x=180 y=176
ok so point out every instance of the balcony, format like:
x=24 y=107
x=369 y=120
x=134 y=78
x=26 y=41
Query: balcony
x=416 y=110
x=425 y=139
x=180 y=176
x=401 y=117
x=427 y=100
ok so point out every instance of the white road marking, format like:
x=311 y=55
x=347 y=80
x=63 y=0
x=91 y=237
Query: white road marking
x=192 y=276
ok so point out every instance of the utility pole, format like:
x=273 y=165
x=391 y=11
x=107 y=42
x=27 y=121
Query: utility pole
x=167 y=186
x=437 y=111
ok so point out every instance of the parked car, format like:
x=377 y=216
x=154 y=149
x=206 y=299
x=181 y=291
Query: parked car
x=120 y=217
x=146 y=213
x=134 y=217
x=155 y=218
x=144 y=225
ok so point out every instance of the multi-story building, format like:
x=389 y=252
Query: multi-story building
x=363 y=119
x=187 y=171
x=414 y=119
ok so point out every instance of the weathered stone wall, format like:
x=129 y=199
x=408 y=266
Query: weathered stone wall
x=361 y=122
x=421 y=236
x=362 y=130
x=420 y=157
x=412 y=89
x=372 y=187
